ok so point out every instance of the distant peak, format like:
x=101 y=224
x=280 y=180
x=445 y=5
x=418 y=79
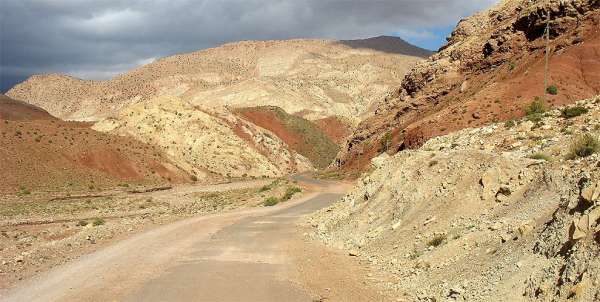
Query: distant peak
x=389 y=44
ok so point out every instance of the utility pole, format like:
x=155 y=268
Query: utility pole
x=547 y=36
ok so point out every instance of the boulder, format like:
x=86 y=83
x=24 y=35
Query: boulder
x=591 y=193
x=585 y=224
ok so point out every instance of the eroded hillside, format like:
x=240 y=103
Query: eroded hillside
x=313 y=78
x=301 y=135
x=42 y=153
x=205 y=140
x=507 y=212
x=491 y=68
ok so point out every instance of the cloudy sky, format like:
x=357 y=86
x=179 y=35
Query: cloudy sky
x=96 y=39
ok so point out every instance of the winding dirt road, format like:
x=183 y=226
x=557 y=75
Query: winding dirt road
x=237 y=256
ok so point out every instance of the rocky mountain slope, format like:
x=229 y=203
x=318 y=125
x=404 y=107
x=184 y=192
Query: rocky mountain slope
x=190 y=105
x=491 y=68
x=42 y=153
x=313 y=78
x=206 y=141
x=506 y=212
x=303 y=136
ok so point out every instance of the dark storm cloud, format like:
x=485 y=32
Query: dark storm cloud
x=97 y=39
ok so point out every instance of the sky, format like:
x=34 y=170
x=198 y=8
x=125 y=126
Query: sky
x=98 y=39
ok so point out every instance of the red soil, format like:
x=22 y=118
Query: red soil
x=336 y=129
x=268 y=120
x=302 y=136
x=16 y=110
x=497 y=89
x=504 y=94
x=40 y=152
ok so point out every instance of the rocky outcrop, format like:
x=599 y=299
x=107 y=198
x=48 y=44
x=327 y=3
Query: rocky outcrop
x=491 y=68
x=497 y=213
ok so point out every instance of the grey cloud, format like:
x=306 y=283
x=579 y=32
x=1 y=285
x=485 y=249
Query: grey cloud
x=99 y=38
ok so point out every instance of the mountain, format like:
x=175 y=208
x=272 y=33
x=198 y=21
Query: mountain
x=41 y=152
x=491 y=69
x=311 y=78
x=206 y=141
x=389 y=44
x=245 y=109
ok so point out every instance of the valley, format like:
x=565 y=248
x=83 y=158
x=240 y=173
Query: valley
x=316 y=169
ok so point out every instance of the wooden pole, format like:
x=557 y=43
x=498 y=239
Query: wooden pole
x=547 y=36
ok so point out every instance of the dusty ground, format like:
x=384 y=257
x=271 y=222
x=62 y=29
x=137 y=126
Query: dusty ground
x=42 y=231
x=257 y=254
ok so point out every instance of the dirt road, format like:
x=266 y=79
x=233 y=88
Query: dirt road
x=237 y=256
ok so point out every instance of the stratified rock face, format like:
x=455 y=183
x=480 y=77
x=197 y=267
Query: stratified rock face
x=491 y=68
x=203 y=140
x=312 y=78
x=498 y=213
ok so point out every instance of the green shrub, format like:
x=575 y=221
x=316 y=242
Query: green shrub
x=509 y=124
x=535 y=110
x=552 y=89
x=386 y=141
x=540 y=156
x=538 y=106
x=574 y=111
x=583 y=146
x=268 y=187
x=290 y=192
x=98 y=221
x=271 y=201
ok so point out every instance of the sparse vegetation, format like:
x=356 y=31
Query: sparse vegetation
x=534 y=112
x=583 y=146
x=82 y=223
x=509 y=124
x=268 y=187
x=312 y=142
x=552 y=89
x=98 y=221
x=437 y=240
x=415 y=254
x=386 y=142
x=271 y=201
x=23 y=191
x=540 y=156
x=572 y=112
x=289 y=193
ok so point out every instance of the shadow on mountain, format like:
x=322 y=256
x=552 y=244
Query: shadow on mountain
x=388 y=44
